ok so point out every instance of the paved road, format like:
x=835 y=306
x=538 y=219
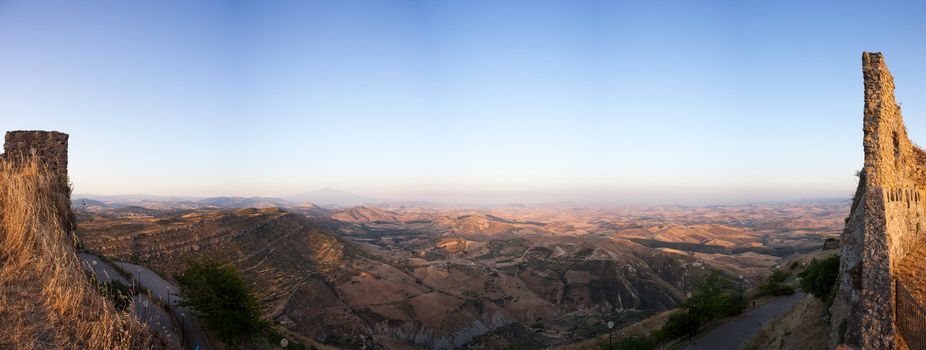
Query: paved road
x=146 y=310
x=165 y=291
x=734 y=333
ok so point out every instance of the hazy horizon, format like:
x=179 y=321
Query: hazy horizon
x=687 y=198
x=476 y=101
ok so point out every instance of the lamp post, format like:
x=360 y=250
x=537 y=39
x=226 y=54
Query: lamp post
x=742 y=281
x=610 y=330
x=182 y=328
x=689 y=317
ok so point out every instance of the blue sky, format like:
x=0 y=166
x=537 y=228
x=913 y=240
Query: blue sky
x=459 y=100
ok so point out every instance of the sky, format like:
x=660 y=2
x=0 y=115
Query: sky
x=461 y=101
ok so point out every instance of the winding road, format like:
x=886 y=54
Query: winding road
x=165 y=291
x=732 y=335
x=162 y=291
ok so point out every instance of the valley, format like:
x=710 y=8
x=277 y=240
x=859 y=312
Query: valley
x=438 y=277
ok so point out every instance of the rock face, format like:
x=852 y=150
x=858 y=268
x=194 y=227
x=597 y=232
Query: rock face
x=886 y=220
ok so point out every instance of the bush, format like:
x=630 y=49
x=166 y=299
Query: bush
x=218 y=296
x=715 y=298
x=776 y=289
x=678 y=325
x=117 y=293
x=778 y=276
x=819 y=278
x=774 y=286
x=634 y=342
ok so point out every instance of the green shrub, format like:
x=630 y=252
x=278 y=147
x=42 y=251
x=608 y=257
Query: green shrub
x=634 y=342
x=715 y=297
x=778 y=276
x=776 y=289
x=218 y=296
x=678 y=325
x=775 y=286
x=819 y=278
x=117 y=293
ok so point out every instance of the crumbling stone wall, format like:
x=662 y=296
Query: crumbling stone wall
x=886 y=219
x=50 y=148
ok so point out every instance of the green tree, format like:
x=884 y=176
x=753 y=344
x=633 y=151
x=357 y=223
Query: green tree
x=218 y=296
x=820 y=276
x=714 y=298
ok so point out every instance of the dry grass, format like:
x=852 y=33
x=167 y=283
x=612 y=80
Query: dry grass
x=800 y=328
x=46 y=302
x=642 y=327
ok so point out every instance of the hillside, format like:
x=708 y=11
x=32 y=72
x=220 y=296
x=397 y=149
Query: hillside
x=452 y=278
x=46 y=302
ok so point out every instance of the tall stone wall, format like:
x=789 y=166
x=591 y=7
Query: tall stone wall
x=50 y=148
x=886 y=220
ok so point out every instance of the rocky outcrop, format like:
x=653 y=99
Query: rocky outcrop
x=885 y=222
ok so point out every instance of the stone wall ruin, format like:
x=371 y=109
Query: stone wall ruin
x=51 y=149
x=886 y=220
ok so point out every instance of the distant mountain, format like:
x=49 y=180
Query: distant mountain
x=122 y=198
x=93 y=201
x=245 y=202
x=328 y=196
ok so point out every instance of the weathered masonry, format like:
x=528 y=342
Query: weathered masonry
x=880 y=300
x=51 y=149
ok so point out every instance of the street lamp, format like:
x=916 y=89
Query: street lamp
x=742 y=281
x=182 y=328
x=610 y=330
x=689 y=317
